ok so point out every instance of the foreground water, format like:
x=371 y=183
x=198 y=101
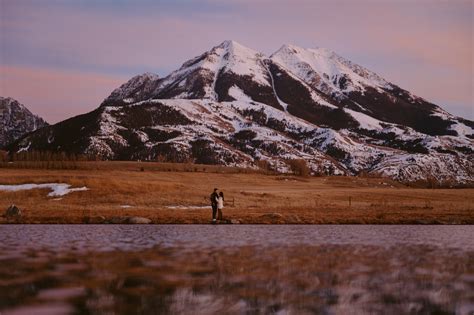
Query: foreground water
x=230 y=269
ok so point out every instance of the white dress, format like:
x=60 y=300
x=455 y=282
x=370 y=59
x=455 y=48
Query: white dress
x=220 y=203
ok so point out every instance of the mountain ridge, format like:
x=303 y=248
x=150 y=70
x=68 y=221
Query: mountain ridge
x=232 y=105
x=16 y=120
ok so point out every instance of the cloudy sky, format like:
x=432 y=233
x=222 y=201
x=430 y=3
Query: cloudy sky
x=63 y=57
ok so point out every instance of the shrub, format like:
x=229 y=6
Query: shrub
x=299 y=167
x=264 y=165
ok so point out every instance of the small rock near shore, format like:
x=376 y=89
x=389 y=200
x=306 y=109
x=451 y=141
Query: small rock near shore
x=117 y=220
x=13 y=211
x=274 y=218
x=138 y=220
x=97 y=220
x=273 y=215
x=293 y=218
x=128 y=220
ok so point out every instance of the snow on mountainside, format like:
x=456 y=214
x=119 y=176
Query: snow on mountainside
x=361 y=90
x=136 y=88
x=228 y=57
x=16 y=120
x=234 y=106
x=326 y=71
x=199 y=78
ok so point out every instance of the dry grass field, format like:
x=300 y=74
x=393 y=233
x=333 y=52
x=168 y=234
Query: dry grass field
x=166 y=194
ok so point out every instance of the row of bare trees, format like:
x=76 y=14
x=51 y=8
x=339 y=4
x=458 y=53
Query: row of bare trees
x=34 y=155
x=43 y=159
x=299 y=167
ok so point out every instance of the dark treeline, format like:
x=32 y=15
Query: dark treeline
x=34 y=155
x=43 y=159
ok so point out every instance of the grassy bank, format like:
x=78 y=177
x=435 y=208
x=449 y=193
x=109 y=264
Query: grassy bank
x=165 y=192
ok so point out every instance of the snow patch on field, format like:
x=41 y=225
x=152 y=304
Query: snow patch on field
x=57 y=189
x=187 y=207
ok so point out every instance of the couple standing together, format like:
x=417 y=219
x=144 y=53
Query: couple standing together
x=217 y=203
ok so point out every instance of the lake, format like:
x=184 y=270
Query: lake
x=236 y=269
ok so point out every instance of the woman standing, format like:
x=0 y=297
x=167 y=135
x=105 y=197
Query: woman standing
x=220 y=205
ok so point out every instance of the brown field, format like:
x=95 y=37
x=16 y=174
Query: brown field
x=149 y=188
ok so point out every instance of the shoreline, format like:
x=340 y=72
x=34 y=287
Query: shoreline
x=55 y=221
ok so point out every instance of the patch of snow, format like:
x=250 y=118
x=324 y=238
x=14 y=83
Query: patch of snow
x=58 y=189
x=24 y=148
x=242 y=60
x=188 y=207
x=238 y=94
x=462 y=129
x=459 y=127
x=365 y=121
x=141 y=135
x=283 y=104
x=439 y=112
x=412 y=167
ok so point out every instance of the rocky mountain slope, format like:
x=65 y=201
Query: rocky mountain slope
x=235 y=106
x=16 y=121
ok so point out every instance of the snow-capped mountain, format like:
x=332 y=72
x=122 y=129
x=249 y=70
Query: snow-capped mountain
x=207 y=76
x=235 y=106
x=16 y=121
x=361 y=90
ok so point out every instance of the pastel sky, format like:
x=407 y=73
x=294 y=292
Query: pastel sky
x=63 y=57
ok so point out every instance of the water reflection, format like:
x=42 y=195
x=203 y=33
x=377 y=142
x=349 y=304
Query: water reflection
x=188 y=270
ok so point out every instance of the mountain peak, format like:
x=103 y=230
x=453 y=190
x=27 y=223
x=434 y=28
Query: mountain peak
x=8 y=102
x=295 y=49
x=289 y=48
x=197 y=77
x=236 y=49
x=16 y=120
x=232 y=44
x=133 y=90
x=149 y=75
x=229 y=43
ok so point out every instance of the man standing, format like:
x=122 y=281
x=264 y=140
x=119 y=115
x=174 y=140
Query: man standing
x=214 y=199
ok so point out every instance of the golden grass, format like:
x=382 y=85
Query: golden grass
x=251 y=198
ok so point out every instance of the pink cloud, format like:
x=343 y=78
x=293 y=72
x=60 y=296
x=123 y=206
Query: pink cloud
x=422 y=50
x=56 y=95
x=345 y=26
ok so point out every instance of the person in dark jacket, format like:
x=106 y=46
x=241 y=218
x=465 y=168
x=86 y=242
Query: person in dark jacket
x=214 y=199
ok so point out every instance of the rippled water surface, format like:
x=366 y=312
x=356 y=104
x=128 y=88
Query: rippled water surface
x=232 y=269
